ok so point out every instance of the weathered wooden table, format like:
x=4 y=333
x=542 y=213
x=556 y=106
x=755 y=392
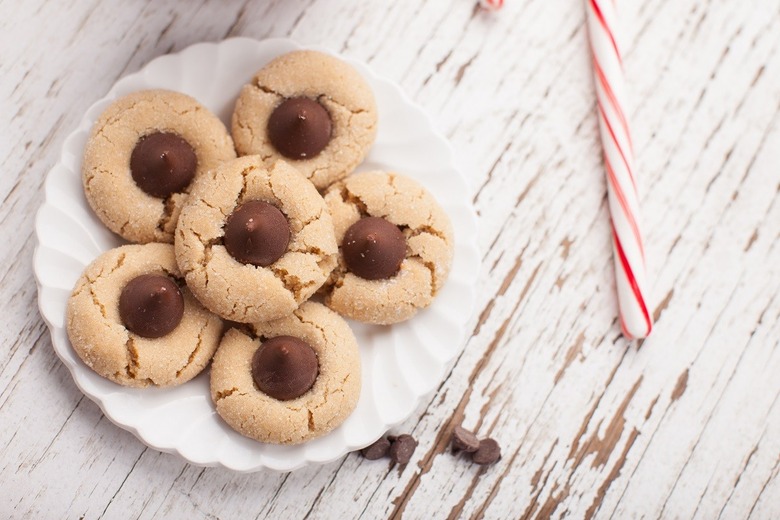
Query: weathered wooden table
x=684 y=424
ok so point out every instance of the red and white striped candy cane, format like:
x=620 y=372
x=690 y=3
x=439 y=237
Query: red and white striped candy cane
x=628 y=248
x=493 y=5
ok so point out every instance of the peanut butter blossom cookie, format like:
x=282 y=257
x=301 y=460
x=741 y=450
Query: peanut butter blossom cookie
x=396 y=247
x=308 y=108
x=255 y=242
x=141 y=158
x=132 y=320
x=289 y=380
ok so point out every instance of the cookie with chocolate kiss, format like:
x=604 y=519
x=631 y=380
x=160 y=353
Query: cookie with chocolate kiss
x=311 y=109
x=132 y=320
x=255 y=242
x=142 y=157
x=289 y=380
x=396 y=247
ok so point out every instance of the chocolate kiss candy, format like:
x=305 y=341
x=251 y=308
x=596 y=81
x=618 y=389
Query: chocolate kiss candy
x=284 y=367
x=299 y=128
x=373 y=248
x=257 y=233
x=163 y=163
x=151 y=305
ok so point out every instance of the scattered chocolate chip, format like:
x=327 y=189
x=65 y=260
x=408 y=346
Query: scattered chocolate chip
x=299 y=128
x=151 y=305
x=377 y=450
x=401 y=448
x=163 y=163
x=285 y=367
x=464 y=440
x=257 y=233
x=488 y=453
x=373 y=248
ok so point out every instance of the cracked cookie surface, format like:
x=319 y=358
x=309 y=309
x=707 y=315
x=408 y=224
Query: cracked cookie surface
x=335 y=85
x=106 y=175
x=244 y=292
x=102 y=341
x=322 y=408
x=428 y=231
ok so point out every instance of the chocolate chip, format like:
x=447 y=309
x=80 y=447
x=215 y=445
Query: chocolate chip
x=377 y=450
x=464 y=440
x=402 y=448
x=299 y=128
x=488 y=453
x=285 y=367
x=257 y=233
x=163 y=163
x=373 y=248
x=151 y=305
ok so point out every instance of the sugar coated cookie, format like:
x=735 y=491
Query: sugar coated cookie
x=255 y=242
x=289 y=380
x=396 y=247
x=141 y=158
x=308 y=108
x=132 y=320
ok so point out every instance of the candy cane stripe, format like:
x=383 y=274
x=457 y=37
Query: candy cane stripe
x=600 y=16
x=624 y=204
x=617 y=144
x=632 y=279
x=612 y=100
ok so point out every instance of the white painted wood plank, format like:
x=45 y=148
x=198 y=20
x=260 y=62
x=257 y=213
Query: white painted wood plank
x=685 y=425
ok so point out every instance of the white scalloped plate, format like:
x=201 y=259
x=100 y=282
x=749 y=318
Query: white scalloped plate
x=401 y=363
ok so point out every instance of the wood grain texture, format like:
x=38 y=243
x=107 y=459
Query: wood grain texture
x=684 y=424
